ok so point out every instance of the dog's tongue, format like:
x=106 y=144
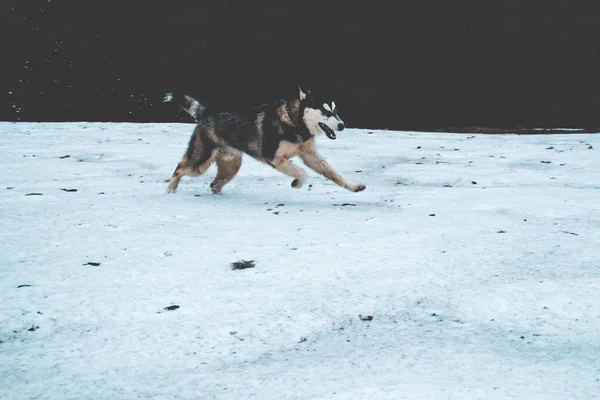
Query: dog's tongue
x=328 y=131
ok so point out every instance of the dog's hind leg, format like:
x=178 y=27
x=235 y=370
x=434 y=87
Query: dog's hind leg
x=184 y=169
x=198 y=157
x=228 y=164
x=285 y=166
x=181 y=170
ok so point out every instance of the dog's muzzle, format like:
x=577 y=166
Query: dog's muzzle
x=328 y=131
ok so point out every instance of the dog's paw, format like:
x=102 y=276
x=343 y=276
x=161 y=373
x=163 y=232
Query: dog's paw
x=358 y=188
x=297 y=183
x=171 y=191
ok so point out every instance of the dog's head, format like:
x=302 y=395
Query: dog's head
x=320 y=116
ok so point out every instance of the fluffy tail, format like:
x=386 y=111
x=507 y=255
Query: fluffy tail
x=187 y=103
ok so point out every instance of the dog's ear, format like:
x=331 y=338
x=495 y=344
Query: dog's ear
x=302 y=95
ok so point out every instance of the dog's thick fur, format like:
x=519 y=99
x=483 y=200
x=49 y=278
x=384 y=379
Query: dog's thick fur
x=269 y=133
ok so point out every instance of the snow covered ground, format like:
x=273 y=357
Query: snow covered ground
x=477 y=256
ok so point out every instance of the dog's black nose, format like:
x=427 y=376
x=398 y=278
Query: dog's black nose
x=341 y=126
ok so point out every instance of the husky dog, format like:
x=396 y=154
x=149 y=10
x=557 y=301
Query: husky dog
x=269 y=133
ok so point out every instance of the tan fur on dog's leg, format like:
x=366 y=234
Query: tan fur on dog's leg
x=179 y=172
x=318 y=164
x=286 y=167
x=228 y=164
x=183 y=169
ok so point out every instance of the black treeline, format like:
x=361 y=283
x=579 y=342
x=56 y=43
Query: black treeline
x=418 y=64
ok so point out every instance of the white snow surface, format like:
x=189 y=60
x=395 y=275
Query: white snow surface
x=477 y=256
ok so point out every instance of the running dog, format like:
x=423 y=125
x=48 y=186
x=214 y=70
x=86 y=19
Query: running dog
x=269 y=133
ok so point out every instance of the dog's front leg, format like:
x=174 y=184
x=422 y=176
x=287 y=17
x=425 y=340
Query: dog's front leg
x=286 y=167
x=318 y=164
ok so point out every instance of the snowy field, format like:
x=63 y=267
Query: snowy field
x=477 y=257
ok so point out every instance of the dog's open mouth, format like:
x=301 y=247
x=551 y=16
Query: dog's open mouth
x=328 y=131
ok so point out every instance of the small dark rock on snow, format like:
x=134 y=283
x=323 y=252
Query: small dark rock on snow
x=366 y=317
x=171 y=308
x=243 y=264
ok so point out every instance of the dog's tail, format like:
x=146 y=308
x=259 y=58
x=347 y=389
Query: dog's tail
x=187 y=103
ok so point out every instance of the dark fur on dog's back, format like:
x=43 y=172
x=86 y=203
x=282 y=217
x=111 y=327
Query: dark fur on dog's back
x=257 y=132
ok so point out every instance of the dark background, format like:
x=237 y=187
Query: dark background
x=418 y=64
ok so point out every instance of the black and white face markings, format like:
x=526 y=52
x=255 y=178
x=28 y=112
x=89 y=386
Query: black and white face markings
x=323 y=119
x=331 y=112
